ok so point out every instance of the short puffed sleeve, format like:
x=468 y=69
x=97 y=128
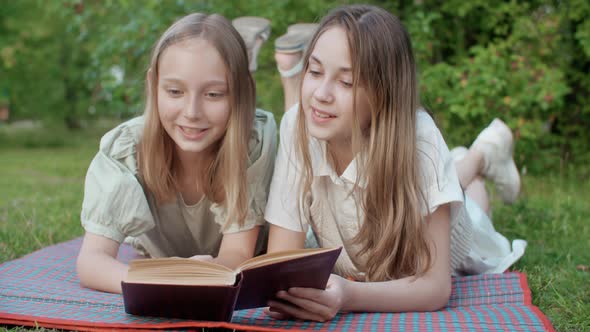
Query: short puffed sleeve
x=115 y=205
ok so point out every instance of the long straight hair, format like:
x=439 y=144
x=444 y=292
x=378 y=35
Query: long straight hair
x=223 y=181
x=391 y=235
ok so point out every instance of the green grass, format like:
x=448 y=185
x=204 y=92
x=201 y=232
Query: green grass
x=42 y=178
x=553 y=216
x=42 y=189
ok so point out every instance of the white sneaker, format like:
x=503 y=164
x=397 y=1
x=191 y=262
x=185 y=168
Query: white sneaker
x=496 y=144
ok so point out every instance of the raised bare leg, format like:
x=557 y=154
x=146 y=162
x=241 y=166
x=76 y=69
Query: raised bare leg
x=469 y=167
x=478 y=193
x=285 y=63
x=289 y=49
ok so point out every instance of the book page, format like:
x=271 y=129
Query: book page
x=280 y=256
x=179 y=271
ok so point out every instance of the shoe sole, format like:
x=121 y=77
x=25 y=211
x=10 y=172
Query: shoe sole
x=507 y=153
x=296 y=39
x=252 y=27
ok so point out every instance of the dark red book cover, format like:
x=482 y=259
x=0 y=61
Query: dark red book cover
x=213 y=303
x=254 y=288
x=262 y=283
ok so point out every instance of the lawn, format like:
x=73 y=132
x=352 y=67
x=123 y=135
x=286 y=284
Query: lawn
x=42 y=177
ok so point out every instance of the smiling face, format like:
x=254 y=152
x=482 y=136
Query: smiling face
x=193 y=97
x=327 y=90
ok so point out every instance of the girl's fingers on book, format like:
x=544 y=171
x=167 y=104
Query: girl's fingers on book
x=314 y=302
x=207 y=258
x=326 y=303
x=312 y=294
x=275 y=313
x=293 y=311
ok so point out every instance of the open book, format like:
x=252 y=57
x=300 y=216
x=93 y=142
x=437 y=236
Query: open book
x=187 y=288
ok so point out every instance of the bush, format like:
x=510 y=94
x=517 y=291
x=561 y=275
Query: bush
x=526 y=62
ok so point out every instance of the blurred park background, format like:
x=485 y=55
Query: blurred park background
x=72 y=69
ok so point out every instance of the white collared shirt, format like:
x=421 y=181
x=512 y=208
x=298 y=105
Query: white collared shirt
x=332 y=210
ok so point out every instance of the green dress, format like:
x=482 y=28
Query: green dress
x=117 y=206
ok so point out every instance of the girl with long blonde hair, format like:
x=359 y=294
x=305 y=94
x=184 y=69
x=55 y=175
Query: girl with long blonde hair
x=190 y=177
x=363 y=166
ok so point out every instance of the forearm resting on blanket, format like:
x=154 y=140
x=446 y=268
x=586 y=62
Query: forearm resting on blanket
x=402 y=295
x=428 y=292
x=97 y=265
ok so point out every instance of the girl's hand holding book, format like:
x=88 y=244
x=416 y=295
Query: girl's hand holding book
x=206 y=258
x=310 y=303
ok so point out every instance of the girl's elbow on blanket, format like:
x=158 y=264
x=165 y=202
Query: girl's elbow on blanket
x=95 y=273
x=89 y=270
x=439 y=296
x=82 y=271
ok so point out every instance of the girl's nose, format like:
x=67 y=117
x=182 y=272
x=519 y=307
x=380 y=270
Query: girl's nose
x=323 y=93
x=193 y=109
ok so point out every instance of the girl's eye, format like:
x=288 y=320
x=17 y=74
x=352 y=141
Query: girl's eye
x=314 y=73
x=174 y=92
x=346 y=84
x=214 y=94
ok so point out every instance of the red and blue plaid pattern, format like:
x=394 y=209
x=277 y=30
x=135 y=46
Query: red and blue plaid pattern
x=42 y=289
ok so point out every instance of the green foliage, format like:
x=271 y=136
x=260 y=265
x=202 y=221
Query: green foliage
x=526 y=62
x=519 y=61
x=41 y=63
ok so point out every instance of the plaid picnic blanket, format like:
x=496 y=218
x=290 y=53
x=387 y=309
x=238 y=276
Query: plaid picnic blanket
x=42 y=289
